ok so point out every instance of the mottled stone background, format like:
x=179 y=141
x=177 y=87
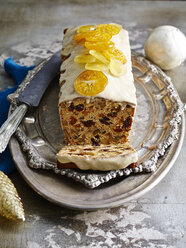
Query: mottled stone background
x=29 y=32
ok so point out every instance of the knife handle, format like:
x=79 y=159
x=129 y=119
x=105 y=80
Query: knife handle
x=10 y=125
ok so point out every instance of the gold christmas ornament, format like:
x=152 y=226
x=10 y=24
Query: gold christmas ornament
x=10 y=203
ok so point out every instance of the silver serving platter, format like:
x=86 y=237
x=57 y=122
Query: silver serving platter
x=157 y=135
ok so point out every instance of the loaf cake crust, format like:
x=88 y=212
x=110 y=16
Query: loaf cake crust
x=96 y=127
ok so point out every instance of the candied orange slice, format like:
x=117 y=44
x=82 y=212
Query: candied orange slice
x=117 y=25
x=99 y=45
x=97 y=35
x=99 y=56
x=117 y=68
x=109 y=28
x=90 y=83
x=114 y=53
x=84 y=58
x=80 y=37
x=86 y=28
x=96 y=66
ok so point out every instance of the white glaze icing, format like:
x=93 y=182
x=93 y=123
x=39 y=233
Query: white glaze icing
x=95 y=161
x=120 y=89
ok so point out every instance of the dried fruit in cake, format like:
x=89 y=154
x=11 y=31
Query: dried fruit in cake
x=84 y=58
x=99 y=45
x=117 y=68
x=90 y=83
x=115 y=54
x=112 y=29
x=97 y=66
x=99 y=56
x=86 y=28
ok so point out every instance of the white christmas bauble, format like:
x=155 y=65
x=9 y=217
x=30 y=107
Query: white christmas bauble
x=166 y=47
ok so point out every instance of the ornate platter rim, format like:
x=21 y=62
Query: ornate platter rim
x=151 y=182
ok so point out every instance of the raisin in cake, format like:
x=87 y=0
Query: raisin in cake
x=105 y=118
x=103 y=157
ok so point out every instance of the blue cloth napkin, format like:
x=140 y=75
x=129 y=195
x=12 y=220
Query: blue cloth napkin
x=18 y=73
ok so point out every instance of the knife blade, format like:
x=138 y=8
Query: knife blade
x=34 y=91
x=30 y=97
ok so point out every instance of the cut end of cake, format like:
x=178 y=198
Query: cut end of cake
x=97 y=122
x=101 y=158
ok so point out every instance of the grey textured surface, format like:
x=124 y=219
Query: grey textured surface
x=28 y=29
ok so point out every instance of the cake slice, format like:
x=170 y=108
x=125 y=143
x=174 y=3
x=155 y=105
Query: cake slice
x=101 y=158
x=103 y=118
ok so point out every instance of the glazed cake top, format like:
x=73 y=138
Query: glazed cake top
x=120 y=89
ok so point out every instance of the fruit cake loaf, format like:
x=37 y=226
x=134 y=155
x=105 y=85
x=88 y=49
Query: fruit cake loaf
x=97 y=93
x=103 y=157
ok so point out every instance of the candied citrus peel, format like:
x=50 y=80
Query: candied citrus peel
x=99 y=45
x=117 y=68
x=114 y=53
x=80 y=37
x=84 y=58
x=109 y=28
x=102 y=54
x=97 y=66
x=90 y=83
x=97 y=35
x=92 y=35
x=99 y=56
x=86 y=28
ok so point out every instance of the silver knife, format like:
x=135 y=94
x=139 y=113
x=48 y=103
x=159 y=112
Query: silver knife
x=30 y=97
